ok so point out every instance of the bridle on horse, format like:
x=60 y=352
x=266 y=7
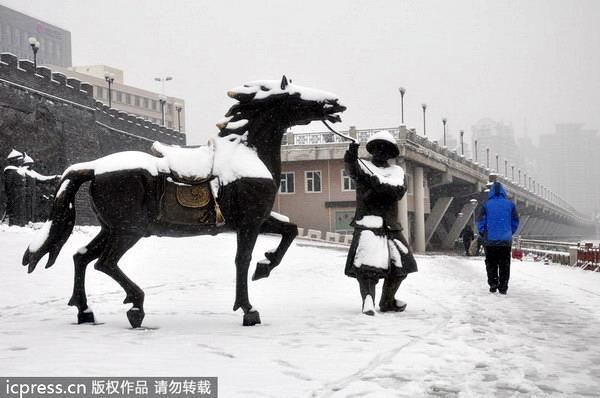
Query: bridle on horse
x=347 y=137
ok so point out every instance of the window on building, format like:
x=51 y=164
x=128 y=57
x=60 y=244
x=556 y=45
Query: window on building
x=313 y=181
x=146 y=103
x=408 y=184
x=169 y=124
x=287 y=182
x=119 y=96
x=128 y=99
x=100 y=92
x=348 y=183
x=154 y=105
x=137 y=101
x=342 y=221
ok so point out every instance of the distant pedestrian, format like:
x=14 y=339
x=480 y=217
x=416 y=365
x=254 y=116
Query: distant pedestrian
x=497 y=223
x=467 y=236
x=378 y=250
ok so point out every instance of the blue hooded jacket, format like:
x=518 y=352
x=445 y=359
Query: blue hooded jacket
x=498 y=220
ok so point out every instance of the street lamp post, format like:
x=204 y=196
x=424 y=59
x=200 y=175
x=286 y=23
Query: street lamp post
x=505 y=168
x=35 y=46
x=512 y=171
x=179 y=108
x=462 y=143
x=444 y=120
x=110 y=79
x=162 y=80
x=487 y=157
x=497 y=165
x=475 y=147
x=402 y=91
x=424 y=106
x=162 y=97
x=163 y=100
x=519 y=176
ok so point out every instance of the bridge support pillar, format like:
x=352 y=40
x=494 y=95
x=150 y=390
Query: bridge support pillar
x=435 y=216
x=462 y=220
x=546 y=228
x=403 y=217
x=532 y=227
x=419 y=211
x=522 y=223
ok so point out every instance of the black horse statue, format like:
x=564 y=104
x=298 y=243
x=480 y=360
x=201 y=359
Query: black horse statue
x=127 y=188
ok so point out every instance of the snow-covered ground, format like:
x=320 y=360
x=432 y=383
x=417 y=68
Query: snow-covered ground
x=455 y=338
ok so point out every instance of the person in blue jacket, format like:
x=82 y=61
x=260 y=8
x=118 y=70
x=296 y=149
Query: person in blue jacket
x=497 y=223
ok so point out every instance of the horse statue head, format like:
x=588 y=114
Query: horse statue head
x=272 y=106
x=264 y=109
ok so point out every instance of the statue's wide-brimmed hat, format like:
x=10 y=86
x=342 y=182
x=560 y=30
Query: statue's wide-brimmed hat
x=27 y=159
x=384 y=139
x=14 y=155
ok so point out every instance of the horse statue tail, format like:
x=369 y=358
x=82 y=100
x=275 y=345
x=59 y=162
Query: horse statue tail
x=55 y=232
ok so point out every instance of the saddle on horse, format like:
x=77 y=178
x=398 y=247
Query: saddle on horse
x=186 y=192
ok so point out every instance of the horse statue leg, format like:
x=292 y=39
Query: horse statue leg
x=288 y=232
x=246 y=239
x=117 y=245
x=81 y=259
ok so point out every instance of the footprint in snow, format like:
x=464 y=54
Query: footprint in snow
x=17 y=348
x=297 y=375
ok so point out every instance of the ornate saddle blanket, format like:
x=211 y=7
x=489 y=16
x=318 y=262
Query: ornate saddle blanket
x=186 y=194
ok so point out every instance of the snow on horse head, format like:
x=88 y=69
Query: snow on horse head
x=126 y=190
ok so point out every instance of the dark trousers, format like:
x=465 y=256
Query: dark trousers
x=467 y=244
x=497 y=264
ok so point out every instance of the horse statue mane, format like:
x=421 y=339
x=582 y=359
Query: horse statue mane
x=256 y=96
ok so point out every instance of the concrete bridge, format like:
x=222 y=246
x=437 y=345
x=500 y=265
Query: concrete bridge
x=444 y=190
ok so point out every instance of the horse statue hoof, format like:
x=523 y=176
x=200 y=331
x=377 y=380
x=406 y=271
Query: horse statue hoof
x=263 y=270
x=135 y=317
x=86 y=316
x=251 y=318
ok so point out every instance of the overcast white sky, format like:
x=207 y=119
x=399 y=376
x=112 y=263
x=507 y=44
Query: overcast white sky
x=520 y=61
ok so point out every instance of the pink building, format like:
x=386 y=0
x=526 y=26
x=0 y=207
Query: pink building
x=315 y=191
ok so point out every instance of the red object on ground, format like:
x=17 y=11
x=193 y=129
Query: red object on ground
x=517 y=254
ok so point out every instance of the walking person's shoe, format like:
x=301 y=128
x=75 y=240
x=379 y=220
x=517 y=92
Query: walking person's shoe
x=493 y=289
x=502 y=291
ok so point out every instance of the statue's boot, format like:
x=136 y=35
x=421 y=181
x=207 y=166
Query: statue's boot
x=367 y=292
x=388 y=302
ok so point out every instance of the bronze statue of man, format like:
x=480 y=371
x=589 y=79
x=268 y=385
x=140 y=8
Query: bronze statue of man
x=378 y=250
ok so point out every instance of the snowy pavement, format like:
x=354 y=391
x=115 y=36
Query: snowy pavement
x=454 y=340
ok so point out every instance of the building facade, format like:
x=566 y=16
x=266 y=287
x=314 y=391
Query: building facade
x=15 y=30
x=499 y=138
x=133 y=100
x=316 y=193
x=571 y=165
